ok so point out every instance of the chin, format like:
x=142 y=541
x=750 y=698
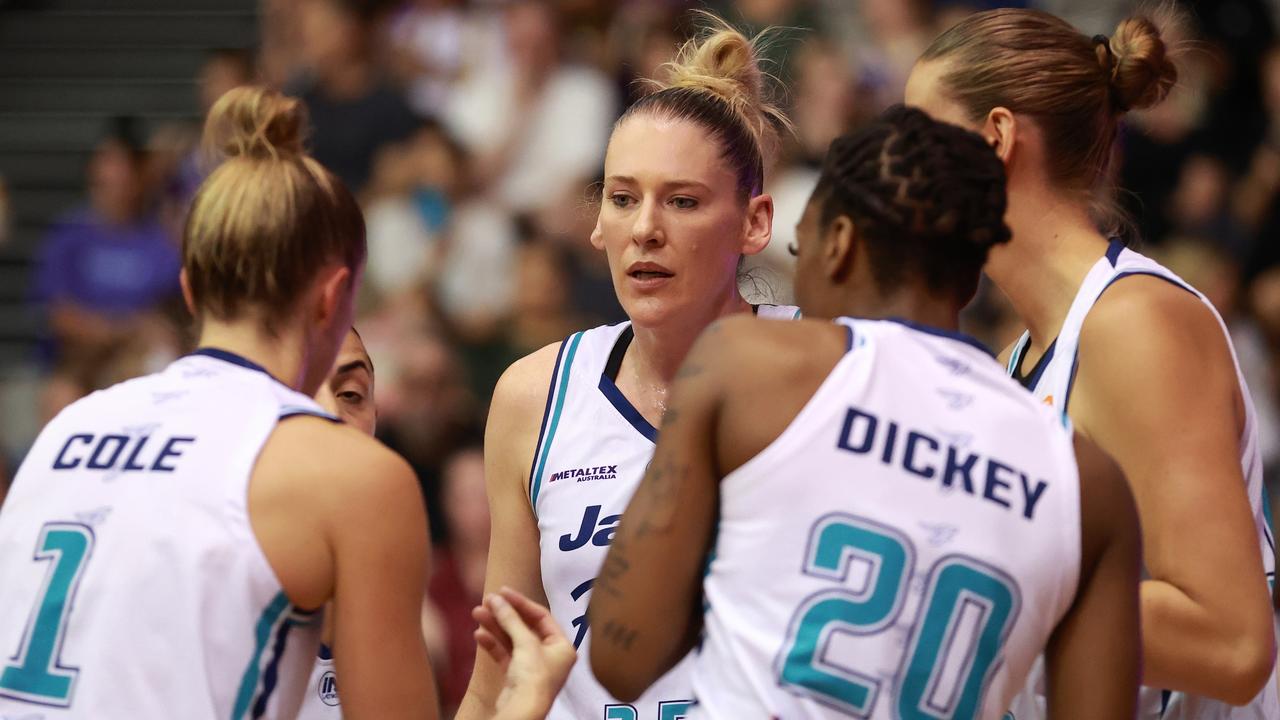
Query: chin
x=650 y=310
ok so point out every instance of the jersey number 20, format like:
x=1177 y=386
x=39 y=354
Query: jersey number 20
x=35 y=675
x=939 y=677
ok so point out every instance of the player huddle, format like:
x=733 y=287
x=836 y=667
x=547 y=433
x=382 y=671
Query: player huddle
x=857 y=514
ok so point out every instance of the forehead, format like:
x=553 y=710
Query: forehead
x=352 y=350
x=656 y=148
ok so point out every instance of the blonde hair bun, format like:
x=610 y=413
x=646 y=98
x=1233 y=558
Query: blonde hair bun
x=252 y=121
x=1142 y=69
x=725 y=63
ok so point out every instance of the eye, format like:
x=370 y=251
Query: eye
x=684 y=203
x=620 y=200
x=350 y=396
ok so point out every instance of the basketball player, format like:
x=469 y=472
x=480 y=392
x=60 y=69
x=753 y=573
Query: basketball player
x=347 y=394
x=169 y=541
x=894 y=529
x=535 y=656
x=1136 y=358
x=572 y=426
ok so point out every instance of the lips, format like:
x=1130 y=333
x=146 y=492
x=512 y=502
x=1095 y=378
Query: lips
x=646 y=271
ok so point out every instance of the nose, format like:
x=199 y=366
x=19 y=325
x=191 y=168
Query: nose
x=647 y=226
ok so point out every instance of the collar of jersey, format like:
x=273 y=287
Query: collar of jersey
x=234 y=359
x=951 y=334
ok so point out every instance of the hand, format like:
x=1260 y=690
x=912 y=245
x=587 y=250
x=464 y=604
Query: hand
x=524 y=640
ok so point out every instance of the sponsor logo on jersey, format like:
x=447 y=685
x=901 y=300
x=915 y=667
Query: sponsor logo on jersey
x=594 y=529
x=586 y=474
x=327 y=689
x=1048 y=400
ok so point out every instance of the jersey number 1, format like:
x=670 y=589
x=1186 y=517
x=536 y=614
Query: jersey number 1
x=35 y=674
x=940 y=677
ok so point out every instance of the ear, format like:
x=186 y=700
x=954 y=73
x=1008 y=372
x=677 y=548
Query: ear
x=1001 y=132
x=759 y=224
x=597 y=237
x=838 y=248
x=333 y=289
x=187 y=297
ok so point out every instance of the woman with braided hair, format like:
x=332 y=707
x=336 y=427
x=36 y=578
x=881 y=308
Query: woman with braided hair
x=885 y=511
x=1124 y=350
x=572 y=426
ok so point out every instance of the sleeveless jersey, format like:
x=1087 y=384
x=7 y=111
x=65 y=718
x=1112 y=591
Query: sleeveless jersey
x=592 y=453
x=904 y=549
x=320 y=702
x=134 y=586
x=1051 y=381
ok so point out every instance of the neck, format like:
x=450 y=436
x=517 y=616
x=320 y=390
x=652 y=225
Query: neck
x=284 y=355
x=1054 y=245
x=913 y=304
x=658 y=350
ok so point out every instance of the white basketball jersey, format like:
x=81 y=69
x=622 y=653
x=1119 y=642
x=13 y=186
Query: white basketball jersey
x=320 y=702
x=592 y=452
x=133 y=585
x=1051 y=381
x=904 y=549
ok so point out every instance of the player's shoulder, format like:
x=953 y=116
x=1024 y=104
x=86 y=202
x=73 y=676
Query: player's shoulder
x=743 y=345
x=1142 y=309
x=523 y=386
x=325 y=455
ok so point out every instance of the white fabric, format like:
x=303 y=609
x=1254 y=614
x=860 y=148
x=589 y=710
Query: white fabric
x=1053 y=387
x=176 y=612
x=937 y=400
x=595 y=459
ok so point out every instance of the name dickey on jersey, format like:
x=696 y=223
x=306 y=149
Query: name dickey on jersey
x=922 y=455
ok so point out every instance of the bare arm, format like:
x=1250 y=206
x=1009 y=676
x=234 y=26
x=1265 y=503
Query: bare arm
x=647 y=599
x=1157 y=390
x=1094 y=655
x=339 y=516
x=514 y=560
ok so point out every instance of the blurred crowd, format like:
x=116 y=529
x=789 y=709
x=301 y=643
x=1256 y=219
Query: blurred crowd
x=473 y=133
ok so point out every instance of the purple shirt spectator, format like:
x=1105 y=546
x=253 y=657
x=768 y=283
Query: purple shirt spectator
x=113 y=270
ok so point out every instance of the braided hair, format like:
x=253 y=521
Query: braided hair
x=927 y=198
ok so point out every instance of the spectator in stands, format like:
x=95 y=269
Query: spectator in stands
x=457 y=575
x=106 y=272
x=429 y=39
x=353 y=110
x=535 y=124
x=429 y=230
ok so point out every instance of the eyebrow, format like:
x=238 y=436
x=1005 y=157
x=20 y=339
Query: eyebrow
x=353 y=365
x=666 y=184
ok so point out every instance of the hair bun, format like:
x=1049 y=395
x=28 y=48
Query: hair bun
x=1141 y=70
x=252 y=121
x=725 y=63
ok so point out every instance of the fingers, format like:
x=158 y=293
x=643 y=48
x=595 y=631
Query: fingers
x=496 y=650
x=535 y=616
x=510 y=620
x=490 y=625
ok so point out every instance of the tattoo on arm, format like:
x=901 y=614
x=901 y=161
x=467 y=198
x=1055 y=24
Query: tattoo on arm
x=618 y=634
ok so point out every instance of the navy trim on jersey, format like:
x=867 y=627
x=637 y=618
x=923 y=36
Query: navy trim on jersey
x=1030 y=381
x=294 y=410
x=272 y=674
x=234 y=359
x=1113 y=251
x=848 y=330
x=326 y=653
x=951 y=334
x=546 y=415
x=540 y=454
x=626 y=409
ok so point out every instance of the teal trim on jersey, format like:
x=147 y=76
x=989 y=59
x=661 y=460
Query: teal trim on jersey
x=249 y=682
x=37 y=676
x=535 y=486
x=797 y=315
